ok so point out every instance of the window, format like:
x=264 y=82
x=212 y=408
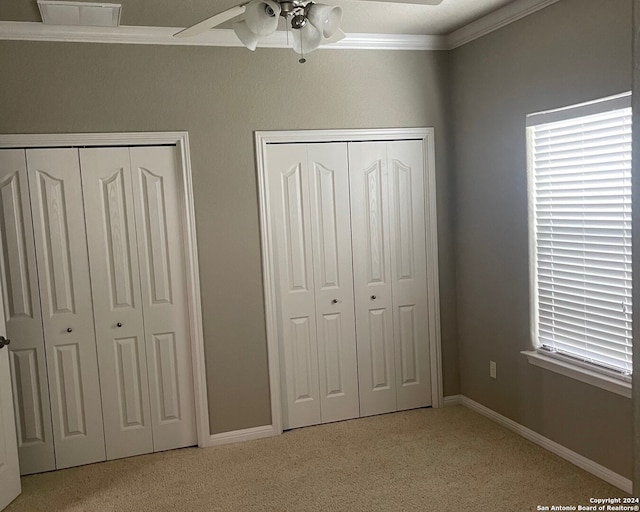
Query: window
x=580 y=200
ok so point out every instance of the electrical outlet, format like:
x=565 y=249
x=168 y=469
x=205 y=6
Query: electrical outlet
x=492 y=369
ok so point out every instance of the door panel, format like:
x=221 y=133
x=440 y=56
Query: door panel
x=9 y=470
x=23 y=317
x=382 y=365
x=67 y=375
x=288 y=186
x=61 y=251
x=167 y=376
x=115 y=281
x=159 y=231
x=328 y=167
x=409 y=273
x=372 y=277
x=302 y=357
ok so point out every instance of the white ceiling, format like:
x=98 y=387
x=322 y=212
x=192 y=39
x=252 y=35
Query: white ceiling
x=360 y=16
x=382 y=17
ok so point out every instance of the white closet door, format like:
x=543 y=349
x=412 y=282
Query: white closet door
x=159 y=228
x=331 y=230
x=409 y=273
x=372 y=276
x=288 y=186
x=63 y=268
x=24 y=319
x=117 y=304
x=9 y=470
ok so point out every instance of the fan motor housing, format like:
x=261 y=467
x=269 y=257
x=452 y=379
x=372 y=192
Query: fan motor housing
x=288 y=8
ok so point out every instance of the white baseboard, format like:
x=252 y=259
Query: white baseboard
x=237 y=436
x=450 y=400
x=575 y=458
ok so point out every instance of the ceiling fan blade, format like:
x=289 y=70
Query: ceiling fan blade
x=414 y=2
x=212 y=22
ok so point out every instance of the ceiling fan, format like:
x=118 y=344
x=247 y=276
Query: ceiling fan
x=312 y=24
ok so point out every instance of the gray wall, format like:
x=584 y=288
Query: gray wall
x=572 y=51
x=221 y=96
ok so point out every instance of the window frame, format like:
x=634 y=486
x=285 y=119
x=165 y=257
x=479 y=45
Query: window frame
x=583 y=371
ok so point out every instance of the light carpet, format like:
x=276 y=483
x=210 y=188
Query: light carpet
x=449 y=459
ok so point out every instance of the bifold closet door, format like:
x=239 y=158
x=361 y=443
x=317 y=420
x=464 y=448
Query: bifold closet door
x=159 y=228
x=117 y=303
x=132 y=207
x=409 y=273
x=370 y=222
x=388 y=218
x=288 y=176
x=23 y=317
x=309 y=198
x=333 y=279
x=67 y=313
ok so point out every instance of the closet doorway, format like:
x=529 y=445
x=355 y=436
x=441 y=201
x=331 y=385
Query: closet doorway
x=100 y=275
x=350 y=266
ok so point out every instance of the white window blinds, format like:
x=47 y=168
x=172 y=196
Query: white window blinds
x=581 y=199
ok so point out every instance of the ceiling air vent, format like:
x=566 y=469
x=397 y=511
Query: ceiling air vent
x=56 y=12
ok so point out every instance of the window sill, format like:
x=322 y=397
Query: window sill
x=585 y=375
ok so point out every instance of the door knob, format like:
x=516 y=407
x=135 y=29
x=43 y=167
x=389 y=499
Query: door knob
x=69 y=329
x=119 y=324
x=373 y=297
x=4 y=341
x=334 y=301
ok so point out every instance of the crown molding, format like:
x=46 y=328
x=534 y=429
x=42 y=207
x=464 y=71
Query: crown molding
x=389 y=42
x=32 y=31
x=35 y=31
x=495 y=20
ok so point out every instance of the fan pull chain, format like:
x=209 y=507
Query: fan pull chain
x=302 y=59
x=286 y=26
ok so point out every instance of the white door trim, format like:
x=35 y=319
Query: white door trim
x=181 y=140
x=262 y=138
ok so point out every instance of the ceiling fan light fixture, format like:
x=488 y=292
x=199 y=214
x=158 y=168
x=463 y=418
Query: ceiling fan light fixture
x=338 y=35
x=307 y=39
x=326 y=18
x=298 y=21
x=313 y=24
x=262 y=16
x=246 y=35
